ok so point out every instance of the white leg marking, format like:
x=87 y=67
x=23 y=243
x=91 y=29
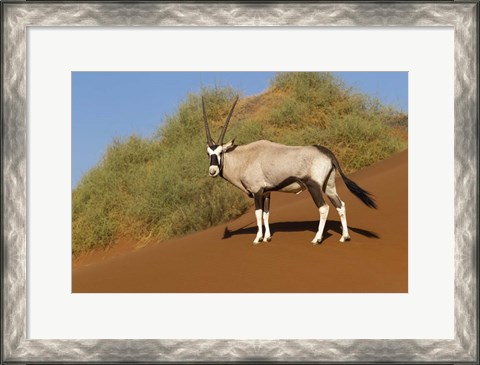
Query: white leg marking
x=343 y=218
x=258 y=214
x=267 y=236
x=321 y=225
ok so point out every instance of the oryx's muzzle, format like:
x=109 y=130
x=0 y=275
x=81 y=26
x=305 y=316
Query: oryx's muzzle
x=214 y=168
x=213 y=171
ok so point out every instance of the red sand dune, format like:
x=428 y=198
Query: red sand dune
x=223 y=259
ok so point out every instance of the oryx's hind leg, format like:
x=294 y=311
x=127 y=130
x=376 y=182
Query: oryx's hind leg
x=266 y=214
x=315 y=191
x=259 y=199
x=331 y=192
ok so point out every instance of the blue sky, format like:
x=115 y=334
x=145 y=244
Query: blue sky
x=106 y=105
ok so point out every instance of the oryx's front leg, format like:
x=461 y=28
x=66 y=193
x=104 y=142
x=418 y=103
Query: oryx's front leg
x=266 y=214
x=258 y=214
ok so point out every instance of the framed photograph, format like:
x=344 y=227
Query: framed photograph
x=145 y=145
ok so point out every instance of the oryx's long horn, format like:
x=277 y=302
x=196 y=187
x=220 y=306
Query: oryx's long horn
x=209 y=136
x=220 y=139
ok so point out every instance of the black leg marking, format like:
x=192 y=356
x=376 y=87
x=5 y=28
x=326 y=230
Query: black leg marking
x=316 y=192
x=331 y=191
x=335 y=199
x=266 y=209
x=258 y=197
x=266 y=202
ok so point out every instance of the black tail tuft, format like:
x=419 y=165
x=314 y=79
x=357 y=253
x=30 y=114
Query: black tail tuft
x=356 y=190
x=361 y=194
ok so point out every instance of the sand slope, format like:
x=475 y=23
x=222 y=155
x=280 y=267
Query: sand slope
x=223 y=259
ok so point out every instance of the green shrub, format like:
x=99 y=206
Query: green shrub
x=358 y=144
x=289 y=113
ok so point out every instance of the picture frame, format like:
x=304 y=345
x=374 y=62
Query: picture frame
x=18 y=16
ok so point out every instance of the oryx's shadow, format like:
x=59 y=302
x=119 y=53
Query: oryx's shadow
x=312 y=226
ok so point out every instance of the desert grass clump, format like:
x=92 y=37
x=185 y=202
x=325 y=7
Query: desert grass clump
x=157 y=188
x=358 y=144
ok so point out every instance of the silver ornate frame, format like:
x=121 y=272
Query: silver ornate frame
x=18 y=15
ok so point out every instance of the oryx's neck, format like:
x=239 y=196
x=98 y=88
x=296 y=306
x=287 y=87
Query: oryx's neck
x=231 y=170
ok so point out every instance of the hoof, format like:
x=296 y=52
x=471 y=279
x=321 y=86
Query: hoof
x=316 y=241
x=345 y=239
x=257 y=240
x=267 y=239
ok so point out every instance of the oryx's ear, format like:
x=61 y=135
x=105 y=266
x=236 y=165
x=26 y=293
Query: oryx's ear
x=228 y=146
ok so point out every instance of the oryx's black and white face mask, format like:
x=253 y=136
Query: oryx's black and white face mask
x=215 y=155
x=216 y=150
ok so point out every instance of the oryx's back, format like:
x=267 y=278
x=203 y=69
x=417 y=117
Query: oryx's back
x=278 y=167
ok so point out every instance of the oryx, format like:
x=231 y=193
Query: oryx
x=260 y=167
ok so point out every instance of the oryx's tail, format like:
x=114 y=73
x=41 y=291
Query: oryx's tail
x=356 y=190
